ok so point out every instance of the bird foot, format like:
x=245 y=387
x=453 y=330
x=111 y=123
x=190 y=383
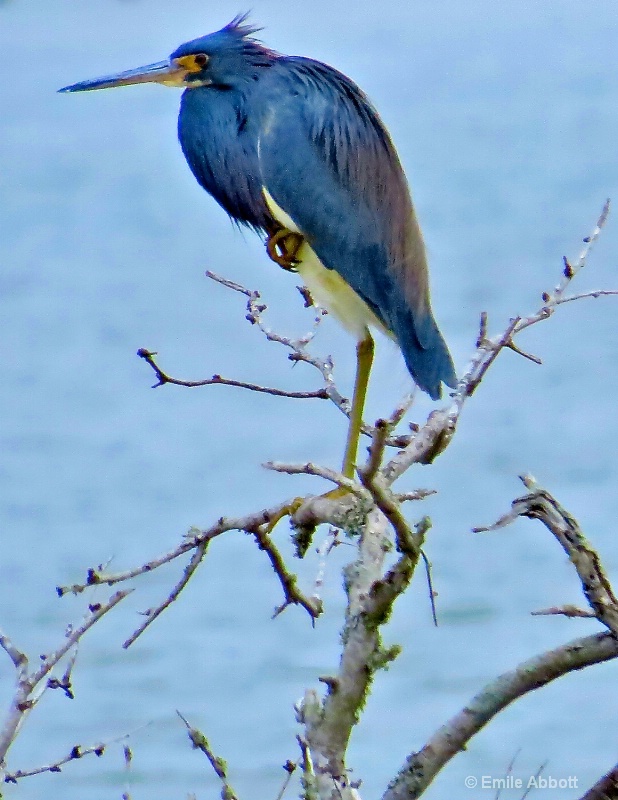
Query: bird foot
x=283 y=246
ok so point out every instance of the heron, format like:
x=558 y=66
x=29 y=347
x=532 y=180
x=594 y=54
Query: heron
x=294 y=150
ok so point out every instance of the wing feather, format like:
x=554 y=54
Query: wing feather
x=328 y=162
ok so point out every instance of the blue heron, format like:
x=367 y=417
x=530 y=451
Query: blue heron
x=293 y=149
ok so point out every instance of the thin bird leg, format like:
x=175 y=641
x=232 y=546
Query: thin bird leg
x=282 y=247
x=364 y=360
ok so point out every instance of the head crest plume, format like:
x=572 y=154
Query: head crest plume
x=244 y=34
x=241 y=28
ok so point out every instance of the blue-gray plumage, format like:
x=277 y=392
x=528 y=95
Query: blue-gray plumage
x=287 y=144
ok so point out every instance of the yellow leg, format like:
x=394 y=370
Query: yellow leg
x=364 y=360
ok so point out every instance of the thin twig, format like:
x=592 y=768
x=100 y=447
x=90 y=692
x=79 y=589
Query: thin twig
x=200 y=742
x=300 y=353
x=583 y=295
x=19 y=659
x=416 y=494
x=308 y=468
x=328 y=544
x=290 y=768
x=236 y=287
x=27 y=683
x=153 y=613
x=76 y=752
x=293 y=596
x=435 y=435
x=191 y=541
x=218 y=380
x=536 y=776
x=509 y=771
x=376 y=451
x=563 y=611
x=432 y=593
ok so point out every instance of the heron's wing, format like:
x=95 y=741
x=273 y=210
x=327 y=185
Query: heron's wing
x=328 y=162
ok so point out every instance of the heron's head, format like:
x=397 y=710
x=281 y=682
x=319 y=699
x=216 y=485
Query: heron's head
x=224 y=59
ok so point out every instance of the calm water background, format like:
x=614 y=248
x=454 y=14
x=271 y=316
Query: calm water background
x=506 y=119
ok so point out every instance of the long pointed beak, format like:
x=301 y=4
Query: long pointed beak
x=170 y=73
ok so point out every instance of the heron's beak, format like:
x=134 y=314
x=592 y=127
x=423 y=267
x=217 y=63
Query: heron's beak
x=169 y=73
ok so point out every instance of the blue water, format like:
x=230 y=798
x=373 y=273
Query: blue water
x=506 y=120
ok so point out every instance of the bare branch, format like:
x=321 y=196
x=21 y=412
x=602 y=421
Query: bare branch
x=571 y=270
x=293 y=596
x=153 y=613
x=407 y=542
x=96 y=612
x=309 y=468
x=563 y=611
x=190 y=542
x=290 y=768
x=606 y=788
x=236 y=287
x=255 y=309
x=309 y=782
x=432 y=593
x=540 y=504
x=595 y=293
x=19 y=659
x=512 y=346
x=371 y=595
x=329 y=722
x=428 y=443
x=422 y=767
x=299 y=353
x=330 y=542
x=416 y=494
x=376 y=452
x=492 y=350
x=218 y=380
x=435 y=435
x=24 y=700
x=200 y=742
x=76 y=752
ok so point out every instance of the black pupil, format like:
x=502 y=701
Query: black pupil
x=201 y=59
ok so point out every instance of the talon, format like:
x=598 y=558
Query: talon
x=282 y=248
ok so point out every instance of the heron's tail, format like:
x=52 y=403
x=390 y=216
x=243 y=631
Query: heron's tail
x=425 y=352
